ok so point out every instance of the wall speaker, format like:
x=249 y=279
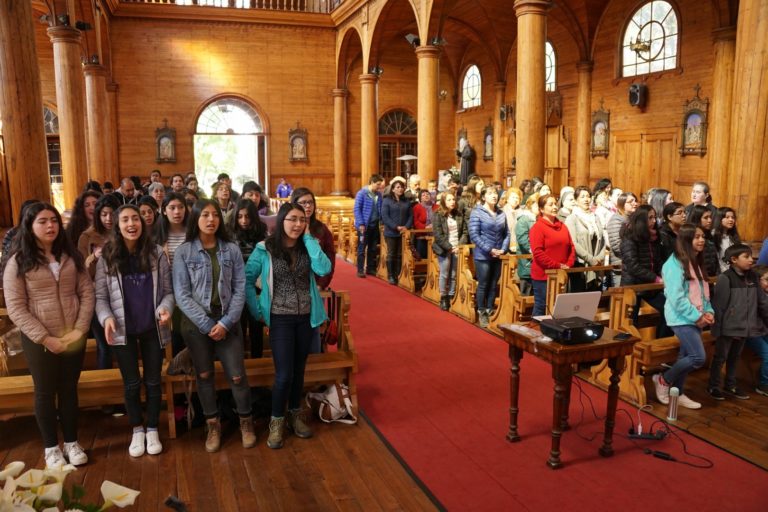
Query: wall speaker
x=638 y=95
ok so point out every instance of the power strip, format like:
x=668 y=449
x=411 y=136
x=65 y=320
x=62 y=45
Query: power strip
x=657 y=436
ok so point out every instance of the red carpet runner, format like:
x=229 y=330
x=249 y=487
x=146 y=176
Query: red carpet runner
x=437 y=388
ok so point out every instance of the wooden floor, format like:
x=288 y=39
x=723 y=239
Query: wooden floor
x=342 y=468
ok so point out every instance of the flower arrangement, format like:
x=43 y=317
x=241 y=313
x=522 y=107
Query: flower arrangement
x=42 y=489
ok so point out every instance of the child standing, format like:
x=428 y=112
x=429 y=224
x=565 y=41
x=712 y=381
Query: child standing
x=741 y=312
x=687 y=310
x=759 y=345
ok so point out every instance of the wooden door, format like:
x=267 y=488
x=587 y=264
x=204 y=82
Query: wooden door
x=639 y=161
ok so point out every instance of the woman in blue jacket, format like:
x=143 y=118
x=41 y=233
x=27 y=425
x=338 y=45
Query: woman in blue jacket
x=283 y=268
x=209 y=284
x=397 y=215
x=687 y=310
x=488 y=231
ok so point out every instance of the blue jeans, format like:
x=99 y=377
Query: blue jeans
x=103 y=349
x=368 y=242
x=152 y=361
x=447 y=264
x=487 y=273
x=759 y=346
x=290 y=337
x=539 y=297
x=691 y=356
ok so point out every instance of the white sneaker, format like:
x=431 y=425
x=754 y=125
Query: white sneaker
x=684 y=401
x=136 y=448
x=662 y=390
x=75 y=454
x=54 y=459
x=154 y=446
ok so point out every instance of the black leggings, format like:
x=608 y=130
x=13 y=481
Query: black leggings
x=55 y=377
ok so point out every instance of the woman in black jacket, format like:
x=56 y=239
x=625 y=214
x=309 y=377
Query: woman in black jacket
x=674 y=217
x=701 y=216
x=641 y=261
x=397 y=216
x=450 y=231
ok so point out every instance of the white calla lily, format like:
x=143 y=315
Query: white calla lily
x=115 y=494
x=32 y=478
x=16 y=507
x=50 y=493
x=50 y=509
x=60 y=473
x=13 y=469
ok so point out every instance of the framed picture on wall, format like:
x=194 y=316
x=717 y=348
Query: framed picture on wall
x=601 y=130
x=165 y=143
x=694 y=135
x=297 y=144
x=488 y=142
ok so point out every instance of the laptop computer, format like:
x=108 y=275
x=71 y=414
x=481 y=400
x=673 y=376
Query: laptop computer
x=582 y=305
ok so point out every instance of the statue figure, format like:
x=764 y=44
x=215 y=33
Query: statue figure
x=467 y=155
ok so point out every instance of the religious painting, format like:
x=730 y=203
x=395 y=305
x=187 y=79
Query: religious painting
x=165 y=142
x=297 y=144
x=488 y=142
x=601 y=130
x=694 y=134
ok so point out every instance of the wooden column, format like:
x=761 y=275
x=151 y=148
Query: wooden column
x=340 y=186
x=70 y=99
x=427 y=112
x=583 y=122
x=720 y=114
x=531 y=102
x=369 y=128
x=114 y=159
x=498 y=133
x=21 y=107
x=748 y=148
x=99 y=124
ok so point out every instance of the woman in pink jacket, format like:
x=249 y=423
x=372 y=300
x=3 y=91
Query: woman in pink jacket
x=49 y=296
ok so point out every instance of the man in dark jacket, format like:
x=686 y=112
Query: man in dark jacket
x=367 y=216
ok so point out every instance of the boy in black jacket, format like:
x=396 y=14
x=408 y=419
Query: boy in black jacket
x=741 y=312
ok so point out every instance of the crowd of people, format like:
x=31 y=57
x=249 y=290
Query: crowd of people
x=646 y=239
x=142 y=266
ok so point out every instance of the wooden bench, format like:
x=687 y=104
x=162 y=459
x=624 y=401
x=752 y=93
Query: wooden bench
x=337 y=364
x=431 y=290
x=513 y=306
x=463 y=304
x=412 y=270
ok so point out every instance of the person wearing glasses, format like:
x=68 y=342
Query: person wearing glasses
x=287 y=299
x=674 y=217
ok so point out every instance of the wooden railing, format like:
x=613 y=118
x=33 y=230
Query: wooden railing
x=312 y=6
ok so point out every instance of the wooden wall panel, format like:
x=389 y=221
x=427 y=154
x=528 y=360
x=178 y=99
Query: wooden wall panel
x=45 y=63
x=170 y=69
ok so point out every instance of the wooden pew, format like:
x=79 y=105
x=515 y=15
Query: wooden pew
x=431 y=289
x=648 y=353
x=381 y=268
x=337 y=364
x=351 y=237
x=412 y=269
x=513 y=306
x=463 y=303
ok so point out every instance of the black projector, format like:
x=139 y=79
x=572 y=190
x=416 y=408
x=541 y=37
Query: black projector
x=572 y=330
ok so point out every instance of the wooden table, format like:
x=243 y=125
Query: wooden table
x=562 y=357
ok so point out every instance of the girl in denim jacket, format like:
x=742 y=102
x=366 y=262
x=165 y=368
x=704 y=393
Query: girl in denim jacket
x=209 y=284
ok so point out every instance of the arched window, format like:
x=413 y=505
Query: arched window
x=650 y=41
x=550 y=67
x=229 y=137
x=471 y=89
x=397 y=144
x=51 y=121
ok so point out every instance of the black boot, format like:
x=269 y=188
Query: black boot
x=391 y=272
x=444 y=304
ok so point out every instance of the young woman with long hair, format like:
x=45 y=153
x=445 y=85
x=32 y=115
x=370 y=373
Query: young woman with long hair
x=658 y=198
x=687 y=310
x=397 y=216
x=82 y=215
x=625 y=206
x=49 y=297
x=134 y=301
x=511 y=205
x=488 y=231
x=674 y=218
x=525 y=221
x=306 y=199
x=148 y=208
x=289 y=303
x=588 y=238
x=725 y=234
x=222 y=194
x=470 y=196
x=702 y=216
x=449 y=231
x=171 y=225
x=209 y=285
x=247 y=229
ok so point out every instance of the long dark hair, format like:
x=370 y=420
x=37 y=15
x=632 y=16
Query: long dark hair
x=162 y=224
x=685 y=254
x=275 y=242
x=656 y=199
x=697 y=212
x=108 y=201
x=258 y=230
x=29 y=255
x=720 y=231
x=193 y=230
x=315 y=225
x=78 y=222
x=669 y=210
x=444 y=211
x=636 y=228
x=116 y=253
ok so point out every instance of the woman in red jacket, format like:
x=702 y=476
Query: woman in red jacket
x=552 y=248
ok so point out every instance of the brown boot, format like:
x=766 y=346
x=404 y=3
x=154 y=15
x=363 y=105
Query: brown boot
x=276 y=426
x=213 y=440
x=297 y=422
x=247 y=432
